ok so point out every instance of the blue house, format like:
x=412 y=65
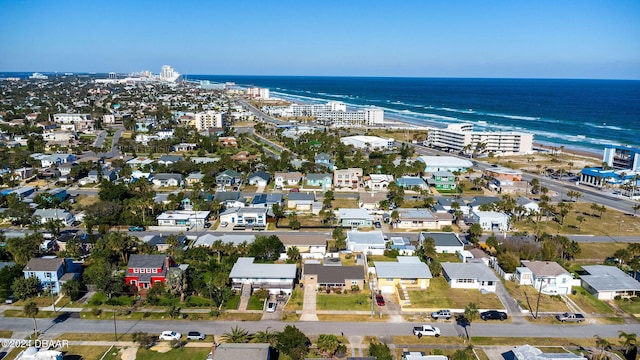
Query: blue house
x=52 y=272
x=323 y=180
x=324 y=159
x=409 y=182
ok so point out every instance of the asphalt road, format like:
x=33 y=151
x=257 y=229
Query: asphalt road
x=380 y=329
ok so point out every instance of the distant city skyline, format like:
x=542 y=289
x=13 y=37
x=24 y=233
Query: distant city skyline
x=466 y=38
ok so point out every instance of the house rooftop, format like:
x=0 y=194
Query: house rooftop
x=443 y=238
x=232 y=351
x=368 y=238
x=407 y=267
x=246 y=268
x=354 y=214
x=146 y=261
x=469 y=270
x=609 y=278
x=44 y=264
x=545 y=268
x=334 y=274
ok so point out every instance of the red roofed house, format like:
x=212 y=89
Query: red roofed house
x=145 y=270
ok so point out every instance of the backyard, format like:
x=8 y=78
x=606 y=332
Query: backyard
x=440 y=295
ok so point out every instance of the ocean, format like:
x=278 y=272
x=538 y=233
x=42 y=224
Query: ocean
x=579 y=114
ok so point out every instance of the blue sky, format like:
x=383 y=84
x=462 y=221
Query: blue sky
x=538 y=39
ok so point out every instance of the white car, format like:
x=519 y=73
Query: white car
x=271 y=307
x=170 y=335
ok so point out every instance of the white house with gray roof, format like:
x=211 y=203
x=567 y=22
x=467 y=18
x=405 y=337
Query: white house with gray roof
x=607 y=282
x=470 y=275
x=371 y=242
x=277 y=278
x=422 y=219
x=545 y=276
x=446 y=242
x=164 y=180
x=355 y=218
x=47 y=215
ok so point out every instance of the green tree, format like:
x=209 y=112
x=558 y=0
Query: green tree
x=475 y=231
x=293 y=253
x=101 y=274
x=328 y=344
x=266 y=248
x=267 y=336
x=31 y=310
x=294 y=223
x=293 y=342
x=380 y=351
x=435 y=267
x=635 y=208
x=236 y=335
x=72 y=289
x=24 y=288
x=143 y=339
x=629 y=341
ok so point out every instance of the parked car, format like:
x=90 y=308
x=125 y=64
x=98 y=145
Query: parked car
x=426 y=330
x=493 y=315
x=10 y=299
x=441 y=314
x=380 y=300
x=271 y=307
x=570 y=317
x=170 y=335
x=195 y=335
x=136 y=228
x=224 y=224
x=377 y=224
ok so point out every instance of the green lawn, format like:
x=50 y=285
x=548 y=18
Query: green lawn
x=77 y=352
x=255 y=303
x=355 y=302
x=232 y=303
x=527 y=297
x=175 y=354
x=296 y=301
x=440 y=295
x=588 y=303
x=630 y=307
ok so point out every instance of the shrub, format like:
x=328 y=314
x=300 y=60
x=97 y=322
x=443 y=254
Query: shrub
x=98 y=299
x=146 y=314
x=337 y=291
x=355 y=288
x=96 y=311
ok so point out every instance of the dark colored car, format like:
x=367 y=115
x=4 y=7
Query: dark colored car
x=493 y=315
x=380 y=300
x=378 y=224
x=136 y=228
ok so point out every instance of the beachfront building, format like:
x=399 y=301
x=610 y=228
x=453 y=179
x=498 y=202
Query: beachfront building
x=368 y=142
x=461 y=138
x=365 y=117
x=207 y=120
x=257 y=93
x=599 y=177
x=622 y=157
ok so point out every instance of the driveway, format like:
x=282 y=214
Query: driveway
x=309 y=305
x=509 y=303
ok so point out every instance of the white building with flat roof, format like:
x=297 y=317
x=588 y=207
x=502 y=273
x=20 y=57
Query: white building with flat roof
x=364 y=117
x=462 y=138
x=368 y=142
x=208 y=119
x=444 y=163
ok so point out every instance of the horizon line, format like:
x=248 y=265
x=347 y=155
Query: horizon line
x=339 y=76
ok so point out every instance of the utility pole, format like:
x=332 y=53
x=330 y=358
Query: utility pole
x=115 y=330
x=538 y=302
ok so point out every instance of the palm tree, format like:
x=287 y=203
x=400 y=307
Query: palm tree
x=635 y=208
x=629 y=342
x=471 y=314
x=266 y=336
x=31 y=310
x=236 y=335
x=603 y=344
x=580 y=219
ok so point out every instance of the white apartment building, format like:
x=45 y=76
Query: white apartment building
x=315 y=109
x=368 y=142
x=461 y=137
x=366 y=117
x=208 y=119
x=74 y=122
x=258 y=93
x=167 y=73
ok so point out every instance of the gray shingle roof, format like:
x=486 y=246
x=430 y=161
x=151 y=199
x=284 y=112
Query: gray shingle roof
x=146 y=261
x=478 y=271
x=545 y=268
x=44 y=264
x=334 y=274
x=443 y=238
x=407 y=267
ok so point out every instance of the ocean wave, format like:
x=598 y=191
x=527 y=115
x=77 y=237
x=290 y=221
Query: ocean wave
x=514 y=117
x=610 y=127
x=468 y=111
